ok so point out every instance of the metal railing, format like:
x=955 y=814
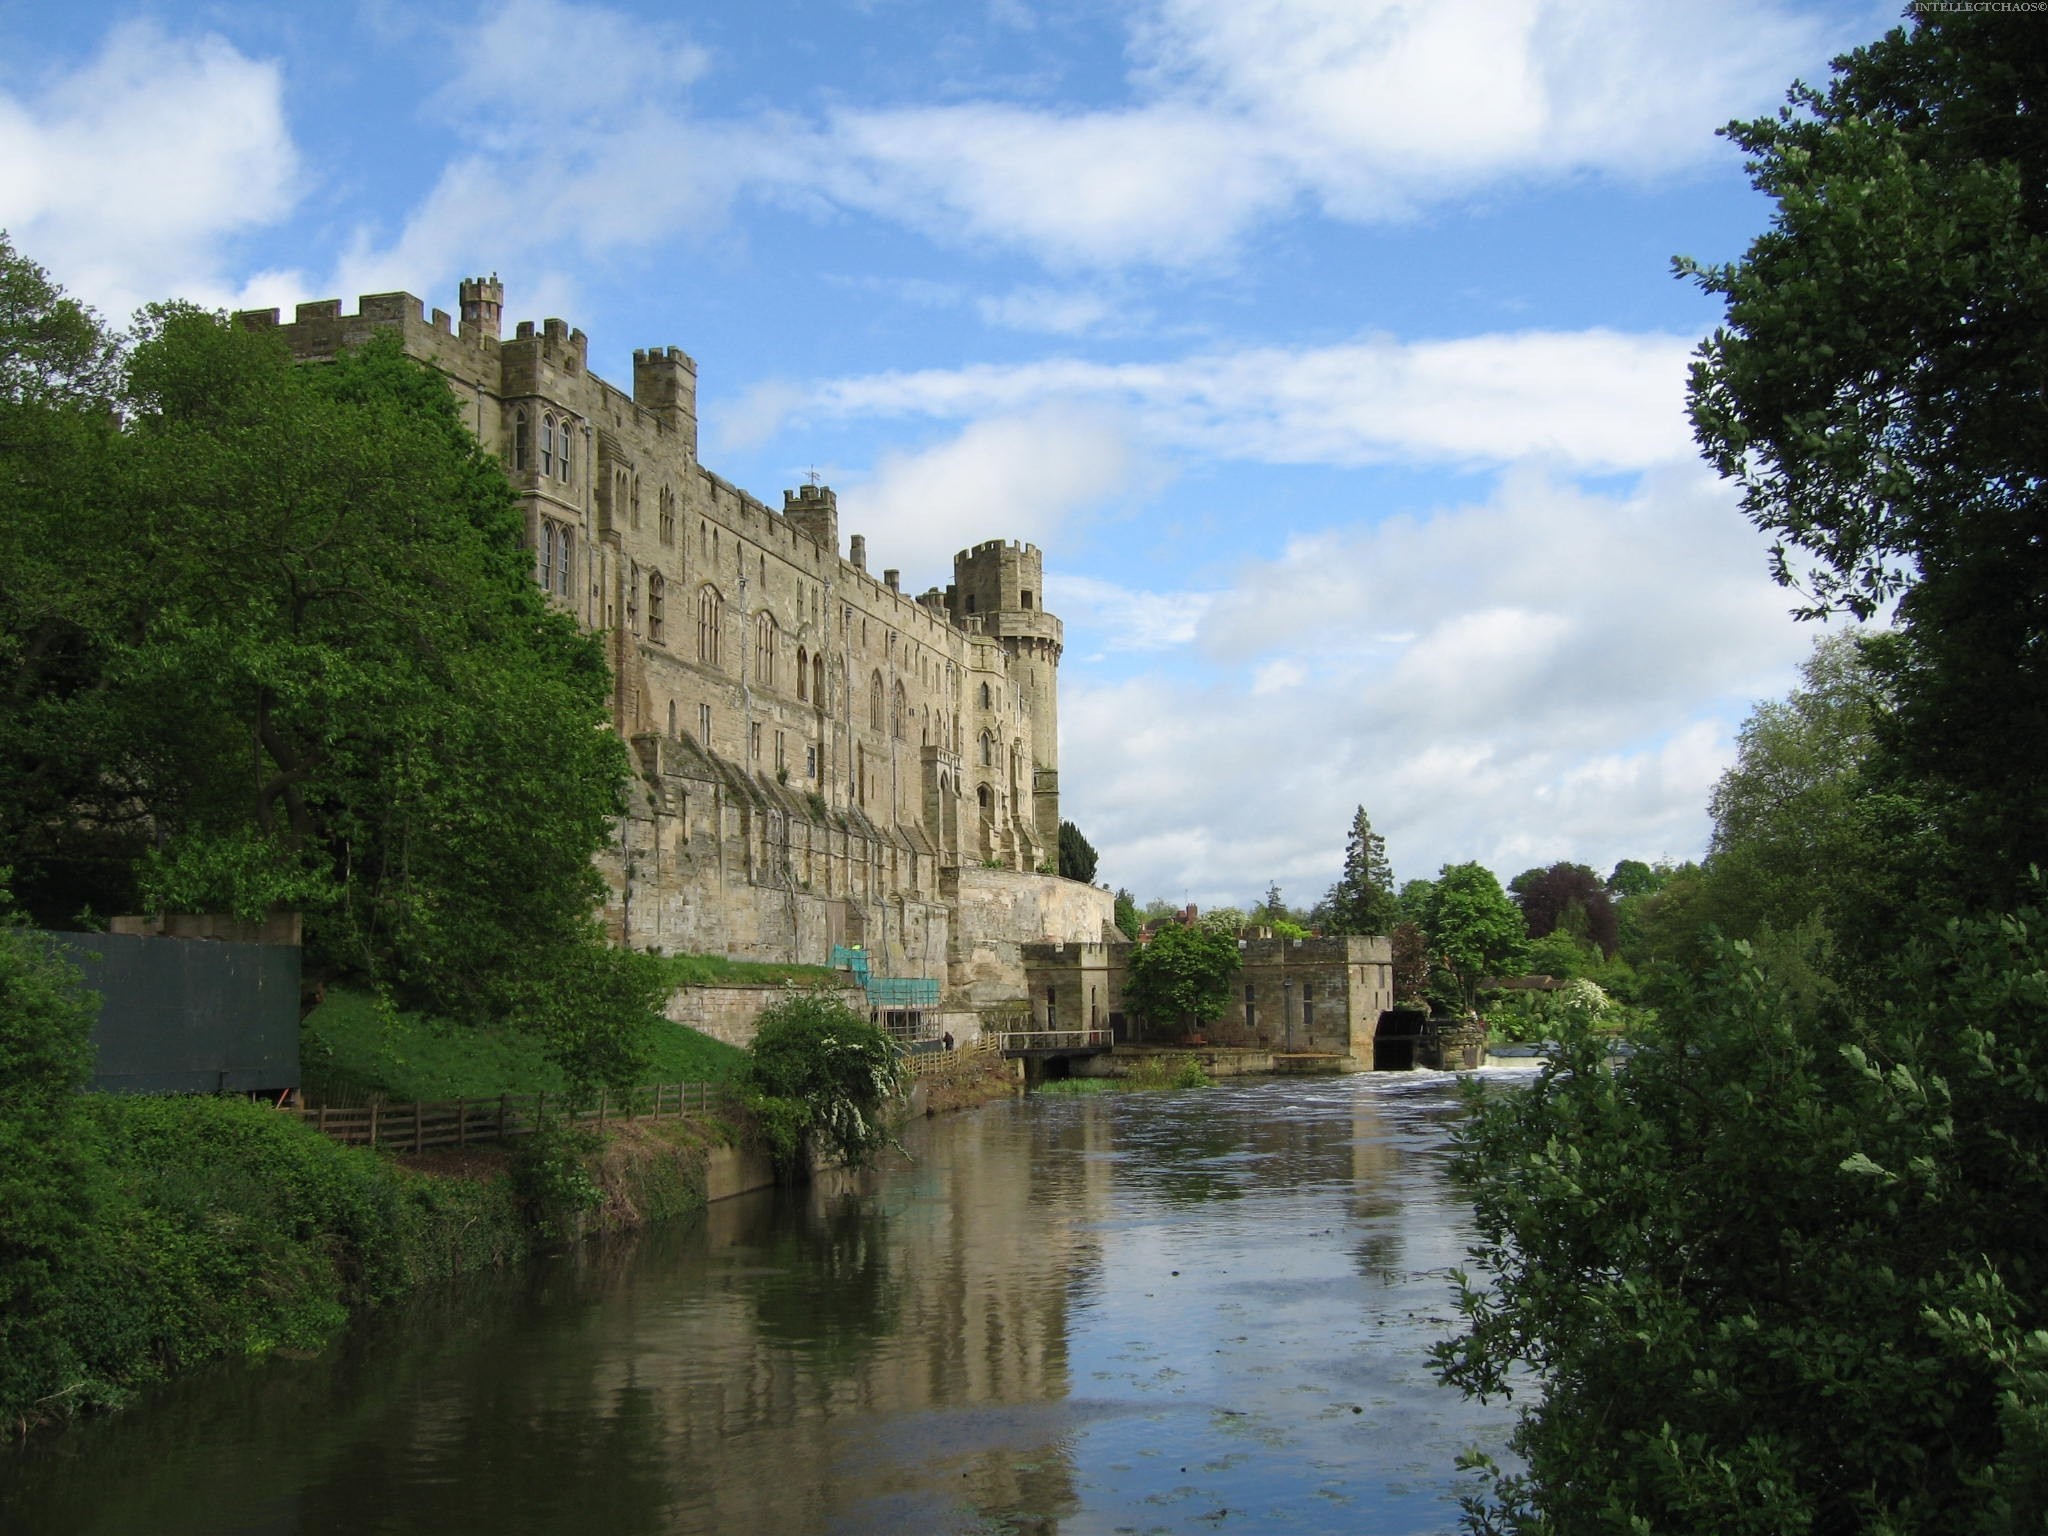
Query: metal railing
x=1018 y=1040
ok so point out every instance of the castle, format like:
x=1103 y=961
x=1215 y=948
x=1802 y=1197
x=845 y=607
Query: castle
x=823 y=759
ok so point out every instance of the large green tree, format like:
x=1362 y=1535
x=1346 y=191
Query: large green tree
x=1183 y=973
x=1474 y=930
x=1769 y=1274
x=274 y=641
x=1879 y=392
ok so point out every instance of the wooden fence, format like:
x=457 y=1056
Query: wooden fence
x=968 y=1060
x=466 y=1122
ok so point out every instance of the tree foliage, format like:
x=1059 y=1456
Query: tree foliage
x=819 y=1075
x=269 y=638
x=1877 y=393
x=1183 y=973
x=1770 y=1274
x=1126 y=917
x=1474 y=930
x=1770 y=1268
x=1570 y=897
x=1362 y=900
x=45 y=1190
x=1077 y=857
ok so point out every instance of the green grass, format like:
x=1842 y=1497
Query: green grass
x=350 y=1048
x=1076 y=1087
x=716 y=971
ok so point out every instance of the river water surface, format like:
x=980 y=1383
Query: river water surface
x=1134 y=1312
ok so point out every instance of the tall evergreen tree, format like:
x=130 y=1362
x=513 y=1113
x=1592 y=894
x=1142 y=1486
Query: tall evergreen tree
x=1077 y=858
x=1362 y=900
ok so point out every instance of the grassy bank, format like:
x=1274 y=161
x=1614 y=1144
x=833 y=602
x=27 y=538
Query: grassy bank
x=352 y=1047
x=220 y=1228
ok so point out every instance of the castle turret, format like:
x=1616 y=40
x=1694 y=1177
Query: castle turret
x=813 y=511
x=1003 y=586
x=483 y=306
x=665 y=385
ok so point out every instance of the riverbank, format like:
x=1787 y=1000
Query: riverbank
x=213 y=1228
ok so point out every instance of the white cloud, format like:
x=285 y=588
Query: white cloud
x=1372 y=109
x=1027 y=474
x=1546 y=674
x=1117 y=619
x=1595 y=400
x=129 y=176
x=1235 y=113
x=1057 y=312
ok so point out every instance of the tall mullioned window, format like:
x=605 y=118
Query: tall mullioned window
x=668 y=515
x=547 y=556
x=657 y=602
x=522 y=440
x=710 y=619
x=875 y=702
x=562 y=445
x=547 y=445
x=565 y=549
x=764 y=649
x=803 y=674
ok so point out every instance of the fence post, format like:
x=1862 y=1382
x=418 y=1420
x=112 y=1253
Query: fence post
x=504 y=1102
x=375 y=1105
x=603 y=1096
x=418 y=1126
x=322 y=1124
x=461 y=1121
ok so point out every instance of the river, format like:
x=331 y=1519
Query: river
x=1133 y=1312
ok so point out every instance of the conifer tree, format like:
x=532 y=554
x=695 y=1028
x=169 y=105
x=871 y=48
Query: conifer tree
x=1362 y=900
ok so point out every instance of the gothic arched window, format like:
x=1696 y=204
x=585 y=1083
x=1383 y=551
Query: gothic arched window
x=803 y=674
x=875 y=702
x=764 y=649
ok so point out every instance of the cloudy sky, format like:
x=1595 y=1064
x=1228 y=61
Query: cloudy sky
x=1328 y=348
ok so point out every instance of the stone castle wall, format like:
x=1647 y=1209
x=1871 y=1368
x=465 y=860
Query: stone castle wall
x=816 y=747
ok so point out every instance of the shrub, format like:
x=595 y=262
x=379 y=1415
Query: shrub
x=820 y=1074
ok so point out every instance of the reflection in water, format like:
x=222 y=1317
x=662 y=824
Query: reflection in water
x=1143 y=1312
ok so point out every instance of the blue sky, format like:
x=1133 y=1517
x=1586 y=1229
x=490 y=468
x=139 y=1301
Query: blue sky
x=1328 y=348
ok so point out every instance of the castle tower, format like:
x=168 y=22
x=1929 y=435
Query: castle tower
x=483 y=306
x=1003 y=587
x=665 y=385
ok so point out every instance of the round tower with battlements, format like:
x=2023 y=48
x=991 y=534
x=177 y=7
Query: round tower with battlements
x=999 y=588
x=483 y=305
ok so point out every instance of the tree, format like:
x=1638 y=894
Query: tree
x=1362 y=900
x=274 y=641
x=1567 y=896
x=1877 y=391
x=1411 y=963
x=1126 y=914
x=45 y=1189
x=1183 y=973
x=1770 y=1270
x=1474 y=930
x=1077 y=858
x=1632 y=877
x=1792 y=840
x=819 y=1075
